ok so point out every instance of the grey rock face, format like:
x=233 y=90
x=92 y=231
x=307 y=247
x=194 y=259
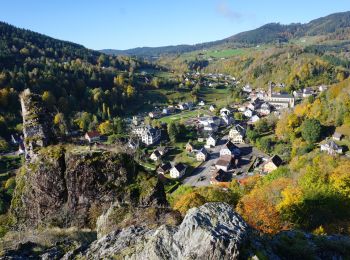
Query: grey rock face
x=212 y=231
x=37 y=123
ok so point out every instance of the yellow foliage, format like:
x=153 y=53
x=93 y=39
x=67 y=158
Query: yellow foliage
x=340 y=178
x=188 y=201
x=291 y=196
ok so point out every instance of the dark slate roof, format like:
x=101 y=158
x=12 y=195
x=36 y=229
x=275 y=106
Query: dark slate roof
x=180 y=167
x=164 y=167
x=276 y=160
x=229 y=145
x=157 y=153
x=203 y=150
x=333 y=145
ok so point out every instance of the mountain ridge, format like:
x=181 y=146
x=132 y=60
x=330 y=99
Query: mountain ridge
x=268 y=33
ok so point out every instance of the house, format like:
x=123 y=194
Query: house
x=211 y=128
x=225 y=112
x=93 y=136
x=132 y=144
x=219 y=177
x=164 y=168
x=272 y=164
x=298 y=94
x=178 y=171
x=189 y=147
x=331 y=148
x=265 y=109
x=237 y=134
x=168 y=111
x=255 y=104
x=150 y=135
x=212 y=108
x=183 y=106
x=337 y=136
x=223 y=163
x=227 y=120
x=230 y=149
x=248 y=113
x=247 y=89
x=307 y=92
x=202 y=155
x=155 y=114
x=155 y=156
x=201 y=103
x=211 y=141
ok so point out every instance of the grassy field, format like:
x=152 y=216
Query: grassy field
x=224 y=53
x=181 y=116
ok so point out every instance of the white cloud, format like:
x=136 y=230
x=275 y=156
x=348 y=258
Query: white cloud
x=224 y=9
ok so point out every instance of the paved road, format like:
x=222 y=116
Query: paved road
x=204 y=170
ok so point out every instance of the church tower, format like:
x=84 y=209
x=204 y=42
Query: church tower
x=270 y=89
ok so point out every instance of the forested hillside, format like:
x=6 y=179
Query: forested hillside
x=80 y=85
x=269 y=33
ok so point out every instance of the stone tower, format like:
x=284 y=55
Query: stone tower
x=37 y=123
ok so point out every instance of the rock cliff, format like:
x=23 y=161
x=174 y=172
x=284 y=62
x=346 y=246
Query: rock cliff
x=37 y=123
x=212 y=231
x=71 y=186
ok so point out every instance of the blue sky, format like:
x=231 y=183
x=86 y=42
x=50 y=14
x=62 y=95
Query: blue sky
x=118 y=24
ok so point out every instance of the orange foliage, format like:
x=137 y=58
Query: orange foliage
x=259 y=208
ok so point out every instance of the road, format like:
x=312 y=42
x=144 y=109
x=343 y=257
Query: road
x=204 y=172
x=204 y=169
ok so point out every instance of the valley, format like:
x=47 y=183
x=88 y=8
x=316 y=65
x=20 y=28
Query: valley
x=122 y=154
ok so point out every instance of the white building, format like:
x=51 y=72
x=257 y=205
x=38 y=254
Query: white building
x=202 y=155
x=177 y=171
x=211 y=141
x=331 y=148
x=230 y=149
x=248 y=113
x=237 y=134
x=227 y=120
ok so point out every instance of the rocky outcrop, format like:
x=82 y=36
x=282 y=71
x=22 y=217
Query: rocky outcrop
x=72 y=186
x=212 y=231
x=37 y=123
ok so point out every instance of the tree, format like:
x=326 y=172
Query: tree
x=106 y=127
x=311 y=130
x=48 y=98
x=60 y=122
x=188 y=201
x=4 y=146
x=173 y=132
x=130 y=91
x=252 y=135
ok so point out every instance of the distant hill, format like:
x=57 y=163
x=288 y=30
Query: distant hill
x=269 y=33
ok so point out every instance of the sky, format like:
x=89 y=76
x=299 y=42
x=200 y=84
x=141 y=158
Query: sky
x=124 y=24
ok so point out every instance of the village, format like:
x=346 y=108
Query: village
x=213 y=148
x=217 y=150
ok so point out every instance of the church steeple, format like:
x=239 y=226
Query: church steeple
x=270 y=89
